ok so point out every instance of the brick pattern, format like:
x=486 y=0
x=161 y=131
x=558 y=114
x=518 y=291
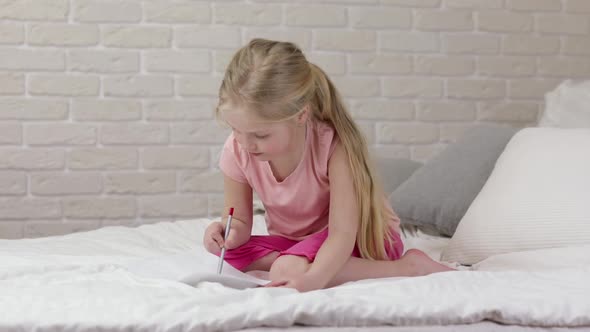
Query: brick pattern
x=106 y=106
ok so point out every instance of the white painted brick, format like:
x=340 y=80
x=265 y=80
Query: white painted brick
x=62 y=35
x=65 y=183
x=35 y=229
x=410 y=41
x=99 y=207
x=510 y=66
x=383 y=110
x=185 y=206
x=176 y=12
x=508 y=111
x=576 y=46
x=315 y=16
x=300 y=37
x=11 y=230
x=247 y=14
x=11 y=133
x=31 y=159
x=436 y=20
x=13 y=183
x=502 y=21
x=103 y=158
x=424 y=153
x=476 y=88
x=534 y=5
x=105 y=110
x=215 y=206
x=530 y=88
x=63 y=85
x=475 y=4
x=368 y=130
x=198 y=132
x=198 y=85
x=29 y=208
x=137 y=36
x=30 y=109
x=208 y=37
x=445 y=111
x=410 y=133
x=567 y=67
x=12 y=33
x=140 y=183
x=134 y=134
x=412 y=87
x=577 y=6
x=444 y=65
x=222 y=60
x=331 y=63
x=177 y=110
x=392 y=151
x=206 y=181
x=30 y=60
x=99 y=61
x=177 y=61
x=413 y=3
x=472 y=43
x=12 y=84
x=354 y=86
x=380 y=64
x=60 y=134
x=345 y=40
x=106 y=11
x=530 y=45
x=564 y=24
x=138 y=86
x=380 y=17
x=44 y=10
x=175 y=157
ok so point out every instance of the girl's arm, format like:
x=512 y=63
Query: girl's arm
x=343 y=220
x=239 y=196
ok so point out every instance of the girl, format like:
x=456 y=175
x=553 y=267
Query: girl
x=296 y=146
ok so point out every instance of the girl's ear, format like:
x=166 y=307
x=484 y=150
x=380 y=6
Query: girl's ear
x=303 y=115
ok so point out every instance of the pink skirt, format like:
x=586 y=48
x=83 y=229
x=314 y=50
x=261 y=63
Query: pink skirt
x=261 y=245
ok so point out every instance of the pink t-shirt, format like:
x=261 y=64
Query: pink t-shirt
x=299 y=205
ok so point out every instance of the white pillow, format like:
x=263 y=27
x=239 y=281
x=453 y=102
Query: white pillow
x=567 y=106
x=537 y=196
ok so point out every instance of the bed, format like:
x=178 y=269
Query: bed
x=79 y=282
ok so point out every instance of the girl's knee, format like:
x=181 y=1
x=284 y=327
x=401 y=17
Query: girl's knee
x=288 y=266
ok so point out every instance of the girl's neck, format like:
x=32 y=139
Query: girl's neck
x=283 y=166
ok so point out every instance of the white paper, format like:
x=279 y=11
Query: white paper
x=192 y=268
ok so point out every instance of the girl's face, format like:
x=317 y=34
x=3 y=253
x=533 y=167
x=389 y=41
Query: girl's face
x=262 y=139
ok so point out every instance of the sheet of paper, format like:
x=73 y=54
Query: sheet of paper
x=192 y=268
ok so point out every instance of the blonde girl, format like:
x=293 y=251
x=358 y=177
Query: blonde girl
x=294 y=143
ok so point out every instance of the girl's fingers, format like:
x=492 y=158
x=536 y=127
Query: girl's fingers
x=276 y=283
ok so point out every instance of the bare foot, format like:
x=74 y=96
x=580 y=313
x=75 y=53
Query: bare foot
x=423 y=264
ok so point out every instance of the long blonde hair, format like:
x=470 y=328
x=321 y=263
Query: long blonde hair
x=275 y=80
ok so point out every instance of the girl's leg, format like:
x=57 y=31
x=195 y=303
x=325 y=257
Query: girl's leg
x=414 y=263
x=262 y=264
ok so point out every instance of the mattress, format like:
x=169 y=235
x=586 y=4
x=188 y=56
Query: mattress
x=81 y=282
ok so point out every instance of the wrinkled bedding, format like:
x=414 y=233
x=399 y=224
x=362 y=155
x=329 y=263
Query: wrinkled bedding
x=79 y=282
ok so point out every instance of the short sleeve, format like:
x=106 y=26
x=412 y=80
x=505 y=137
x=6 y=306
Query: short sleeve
x=231 y=162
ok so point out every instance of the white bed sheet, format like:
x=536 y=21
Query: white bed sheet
x=79 y=282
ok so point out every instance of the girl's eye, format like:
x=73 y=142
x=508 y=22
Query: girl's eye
x=261 y=136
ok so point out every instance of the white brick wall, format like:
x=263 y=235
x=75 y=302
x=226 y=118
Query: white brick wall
x=106 y=106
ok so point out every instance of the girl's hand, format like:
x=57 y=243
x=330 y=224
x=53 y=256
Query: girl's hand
x=302 y=283
x=213 y=238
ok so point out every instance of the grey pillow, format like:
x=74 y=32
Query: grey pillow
x=438 y=194
x=394 y=171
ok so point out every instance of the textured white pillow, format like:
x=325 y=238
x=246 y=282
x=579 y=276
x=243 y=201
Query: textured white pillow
x=537 y=196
